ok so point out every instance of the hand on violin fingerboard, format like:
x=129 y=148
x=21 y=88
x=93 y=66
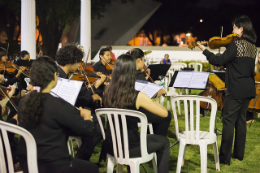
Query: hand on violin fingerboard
x=201 y=46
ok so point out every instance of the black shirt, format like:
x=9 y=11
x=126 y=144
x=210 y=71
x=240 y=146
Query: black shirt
x=99 y=67
x=140 y=75
x=84 y=98
x=239 y=59
x=58 y=120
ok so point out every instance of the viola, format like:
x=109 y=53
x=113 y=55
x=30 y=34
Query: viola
x=211 y=92
x=217 y=42
x=147 y=74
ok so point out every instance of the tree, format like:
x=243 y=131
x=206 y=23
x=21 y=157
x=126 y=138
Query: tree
x=53 y=16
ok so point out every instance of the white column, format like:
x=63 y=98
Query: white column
x=28 y=27
x=85 y=28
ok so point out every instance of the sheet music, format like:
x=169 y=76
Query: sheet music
x=67 y=89
x=139 y=85
x=198 y=80
x=147 y=87
x=183 y=79
x=219 y=71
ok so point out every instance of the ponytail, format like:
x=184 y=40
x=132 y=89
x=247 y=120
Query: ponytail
x=42 y=73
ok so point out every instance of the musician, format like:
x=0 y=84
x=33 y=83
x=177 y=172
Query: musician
x=112 y=54
x=166 y=60
x=105 y=58
x=239 y=59
x=51 y=120
x=24 y=55
x=68 y=58
x=9 y=79
x=122 y=94
x=160 y=125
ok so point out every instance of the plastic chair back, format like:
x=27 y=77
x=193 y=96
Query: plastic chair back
x=196 y=66
x=192 y=129
x=178 y=66
x=114 y=116
x=30 y=146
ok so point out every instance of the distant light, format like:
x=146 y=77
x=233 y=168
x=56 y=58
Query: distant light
x=201 y=20
x=181 y=42
x=188 y=34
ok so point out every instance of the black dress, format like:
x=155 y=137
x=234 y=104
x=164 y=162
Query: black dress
x=155 y=143
x=58 y=121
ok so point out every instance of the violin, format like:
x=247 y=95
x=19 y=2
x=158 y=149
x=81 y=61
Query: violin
x=110 y=66
x=11 y=67
x=217 y=42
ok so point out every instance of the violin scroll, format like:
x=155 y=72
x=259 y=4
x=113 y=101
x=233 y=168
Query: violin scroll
x=194 y=45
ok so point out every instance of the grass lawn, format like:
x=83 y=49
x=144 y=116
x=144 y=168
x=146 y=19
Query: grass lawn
x=250 y=164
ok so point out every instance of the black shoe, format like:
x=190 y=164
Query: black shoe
x=224 y=162
x=235 y=157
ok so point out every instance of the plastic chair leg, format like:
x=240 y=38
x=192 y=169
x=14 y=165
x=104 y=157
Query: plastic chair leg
x=183 y=156
x=180 y=156
x=134 y=167
x=161 y=100
x=155 y=163
x=216 y=157
x=203 y=157
x=110 y=164
x=119 y=168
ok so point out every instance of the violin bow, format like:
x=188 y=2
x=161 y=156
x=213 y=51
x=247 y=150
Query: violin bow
x=221 y=32
x=106 y=62
x=9 y=99
x=87 y=56
x=84 y=74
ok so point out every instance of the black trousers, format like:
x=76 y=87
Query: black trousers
x=89 y=143
x=160 y=125
x=234 y=117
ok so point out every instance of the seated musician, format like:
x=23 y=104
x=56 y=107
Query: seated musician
x=24 y=55
x=9 y=79
x=250 y=115
x=122 y=94
x=160 y=125
x=100 y=66
x=51 y=120
x=166 y=60
x=68 y=58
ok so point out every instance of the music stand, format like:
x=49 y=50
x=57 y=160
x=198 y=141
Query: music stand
x=158 y=70
x=24 y=63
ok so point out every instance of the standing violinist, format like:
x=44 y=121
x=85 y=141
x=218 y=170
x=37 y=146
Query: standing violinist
x=69 y=57
x=239 y=59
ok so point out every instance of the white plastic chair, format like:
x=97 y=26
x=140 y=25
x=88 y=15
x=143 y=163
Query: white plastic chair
x=193 y=135
x=177 y=66
x=118 y=158
x=30 y=147
x=70 y=144
x=196 y=65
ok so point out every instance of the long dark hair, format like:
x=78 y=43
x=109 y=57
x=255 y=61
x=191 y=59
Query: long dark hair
x=120 y=93
x=248 y=29
x=136 y=53
x=42 y=73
